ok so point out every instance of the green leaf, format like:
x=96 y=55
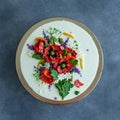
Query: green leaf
x=36 y=74
x=76 y=44
x=36 y=56
x=71 y=72
x=76 y=92
x=64 y=53
x=53 y=31
x=60 y=40
x=64 y=87
x=54 y=74
x=75 y=41
x=74 y=62
x=46 y=44
x=42 y=63
x=52 y=40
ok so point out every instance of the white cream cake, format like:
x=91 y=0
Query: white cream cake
x=59 y=60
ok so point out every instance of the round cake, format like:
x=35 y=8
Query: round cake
x=59 y=61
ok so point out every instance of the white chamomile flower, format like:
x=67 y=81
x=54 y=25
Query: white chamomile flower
x=30 y=53
x=47 y=65
x=64 y=76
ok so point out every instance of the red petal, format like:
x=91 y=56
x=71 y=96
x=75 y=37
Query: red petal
x=77 y=83
x=59 y=69
x=69 y=50
x=46 y=77
x=38 y=47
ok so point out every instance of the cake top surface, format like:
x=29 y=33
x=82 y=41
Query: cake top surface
x=59 y=60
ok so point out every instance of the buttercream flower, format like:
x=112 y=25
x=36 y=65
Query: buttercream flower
x=52 y=53
x=70 y=53
x=63 y=66
x=77 y=83
x=39 y=46
x=46 y=76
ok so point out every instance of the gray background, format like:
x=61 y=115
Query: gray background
x=102 y=17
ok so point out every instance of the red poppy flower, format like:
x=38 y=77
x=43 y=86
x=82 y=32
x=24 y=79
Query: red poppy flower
x=52 y=53
x=78 y=83
x=38 y=47
x=46 y=77
x=63 y=66
x=71 y=54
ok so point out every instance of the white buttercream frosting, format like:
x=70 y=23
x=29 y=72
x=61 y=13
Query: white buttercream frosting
x=91 y=60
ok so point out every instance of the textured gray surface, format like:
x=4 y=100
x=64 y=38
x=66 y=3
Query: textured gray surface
x=102 y=17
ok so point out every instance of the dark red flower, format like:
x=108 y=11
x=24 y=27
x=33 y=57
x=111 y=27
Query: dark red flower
x=70 y=53
x=38 y=47
x=78 y=83
x=63 y=65
x=52 y=53
x=46 y=77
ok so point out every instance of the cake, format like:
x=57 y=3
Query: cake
x=58 y=61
